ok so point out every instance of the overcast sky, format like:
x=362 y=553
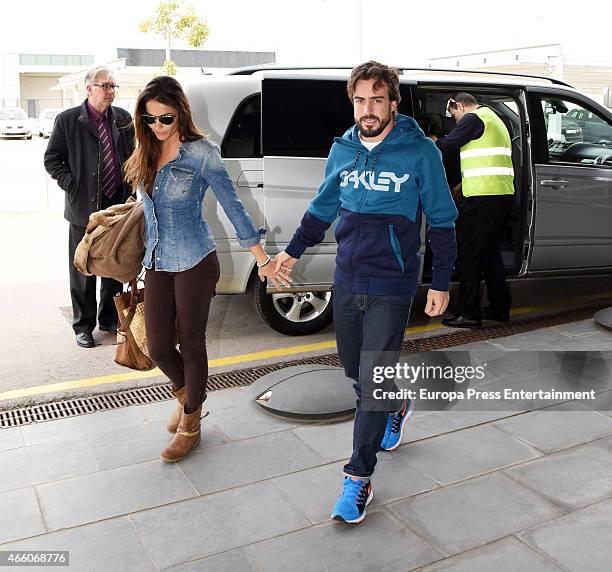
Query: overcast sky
x=399 y=32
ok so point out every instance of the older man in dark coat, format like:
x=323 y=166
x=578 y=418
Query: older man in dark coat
x=87 y=149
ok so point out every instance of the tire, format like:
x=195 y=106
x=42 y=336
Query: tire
x=29 y=137
x=309 y=312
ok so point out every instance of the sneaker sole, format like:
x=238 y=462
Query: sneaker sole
x=359 y=519
x=403 y=425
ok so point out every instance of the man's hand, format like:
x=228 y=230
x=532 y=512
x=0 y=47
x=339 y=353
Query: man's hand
x=437 y=302
x=278 y=270
x=278 y=277
x=284 y=262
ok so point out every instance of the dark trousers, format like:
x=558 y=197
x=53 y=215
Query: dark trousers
x=369 y=331
x=181 y=300
x=480 y=229
x=83 y=292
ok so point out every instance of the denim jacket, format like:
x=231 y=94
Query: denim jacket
x=176 y=233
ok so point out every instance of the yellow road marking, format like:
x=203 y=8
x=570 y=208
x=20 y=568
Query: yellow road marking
x=243 y=358
x=77 y=384
x=119 y=377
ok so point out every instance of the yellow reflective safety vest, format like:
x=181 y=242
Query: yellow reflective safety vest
x=486 y=163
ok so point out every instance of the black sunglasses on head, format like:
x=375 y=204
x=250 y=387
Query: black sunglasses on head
x=165 y=119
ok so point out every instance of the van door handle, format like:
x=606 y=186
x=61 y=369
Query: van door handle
x=554 y=183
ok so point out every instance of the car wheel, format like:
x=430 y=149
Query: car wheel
x=294 y=313
x=29 y=137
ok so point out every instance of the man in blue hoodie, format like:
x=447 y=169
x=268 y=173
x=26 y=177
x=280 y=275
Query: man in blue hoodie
x=379 y=177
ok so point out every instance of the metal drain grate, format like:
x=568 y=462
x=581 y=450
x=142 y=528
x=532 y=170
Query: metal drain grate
x=500 y=330
x=84 y=405
x=162 y=392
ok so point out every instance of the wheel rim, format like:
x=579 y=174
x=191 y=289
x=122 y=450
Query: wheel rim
x=300 y=307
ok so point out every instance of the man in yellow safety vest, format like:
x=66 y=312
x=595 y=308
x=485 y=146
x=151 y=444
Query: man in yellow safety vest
x=487 y=180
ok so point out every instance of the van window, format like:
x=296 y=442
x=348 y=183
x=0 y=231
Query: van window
x=301 y=117
x=575 y=134
x=243 y=136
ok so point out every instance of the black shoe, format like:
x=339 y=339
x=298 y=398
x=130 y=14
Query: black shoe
x=486 y=314
x=461 y=322
x=85 y=340
x=107 y=329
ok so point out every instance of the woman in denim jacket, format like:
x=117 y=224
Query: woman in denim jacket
x=172 y=166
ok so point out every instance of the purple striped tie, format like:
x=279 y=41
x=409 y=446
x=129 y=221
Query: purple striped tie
x=107 y=170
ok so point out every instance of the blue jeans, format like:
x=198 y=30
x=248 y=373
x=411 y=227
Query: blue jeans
x=370 y=324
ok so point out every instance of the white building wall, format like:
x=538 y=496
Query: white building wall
x=591 y=75
x=39 y=90
x=9 y=80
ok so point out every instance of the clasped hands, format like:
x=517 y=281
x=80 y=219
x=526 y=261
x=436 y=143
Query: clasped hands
x=278 y=270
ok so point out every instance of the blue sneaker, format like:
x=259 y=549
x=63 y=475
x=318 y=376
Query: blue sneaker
x=351 y=506
x=395 y=426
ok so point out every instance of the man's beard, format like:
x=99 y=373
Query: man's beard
x=373 y=131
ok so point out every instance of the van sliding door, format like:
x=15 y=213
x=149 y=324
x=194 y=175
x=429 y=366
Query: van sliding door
x=300 y=118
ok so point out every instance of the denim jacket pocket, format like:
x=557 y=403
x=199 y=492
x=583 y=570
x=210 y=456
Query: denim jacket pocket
x=179 y=181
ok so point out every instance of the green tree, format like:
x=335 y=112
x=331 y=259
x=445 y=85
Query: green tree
x=175 y=20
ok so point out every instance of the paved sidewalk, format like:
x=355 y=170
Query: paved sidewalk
x=468 y=491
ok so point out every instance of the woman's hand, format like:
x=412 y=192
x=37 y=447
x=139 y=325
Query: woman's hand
x=276 y=273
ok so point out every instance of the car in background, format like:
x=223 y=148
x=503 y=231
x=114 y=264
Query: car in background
x=592 y=126
x=14 y=123
x=561 y=127
x=46 y=119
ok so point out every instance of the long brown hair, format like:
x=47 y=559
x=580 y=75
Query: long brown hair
x=141 y=167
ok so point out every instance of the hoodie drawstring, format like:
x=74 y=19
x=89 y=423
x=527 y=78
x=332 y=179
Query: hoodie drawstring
x=376 y=158
x=373 y=164
x=356 y=161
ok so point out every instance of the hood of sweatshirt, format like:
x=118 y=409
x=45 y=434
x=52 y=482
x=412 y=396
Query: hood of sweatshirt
x=405 y=130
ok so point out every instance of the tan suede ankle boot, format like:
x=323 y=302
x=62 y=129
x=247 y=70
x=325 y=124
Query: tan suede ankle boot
x=181 y=396
x=186 y=438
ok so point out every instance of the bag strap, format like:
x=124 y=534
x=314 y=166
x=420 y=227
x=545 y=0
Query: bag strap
x=125 y=324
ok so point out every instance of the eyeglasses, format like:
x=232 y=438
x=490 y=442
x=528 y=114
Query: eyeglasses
x=107 y=86
x=165 y=119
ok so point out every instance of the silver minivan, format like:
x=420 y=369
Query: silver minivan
x=275 y=128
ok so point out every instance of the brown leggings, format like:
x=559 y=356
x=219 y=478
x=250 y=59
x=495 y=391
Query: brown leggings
x=181 y=298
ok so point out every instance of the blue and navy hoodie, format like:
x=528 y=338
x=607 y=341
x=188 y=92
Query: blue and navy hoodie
x=380 y=195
